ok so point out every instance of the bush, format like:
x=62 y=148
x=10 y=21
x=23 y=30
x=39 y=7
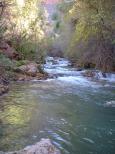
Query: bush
x=6 y=62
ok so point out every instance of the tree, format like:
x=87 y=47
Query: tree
x=22 y=24
x=93 y=32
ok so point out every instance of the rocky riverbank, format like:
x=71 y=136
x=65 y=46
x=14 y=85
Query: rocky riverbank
x=30 y=71
x=43 y=147
x=25 y=72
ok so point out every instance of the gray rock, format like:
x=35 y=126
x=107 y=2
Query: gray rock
x=29 y=69
x=43 y=147
x=109 y=104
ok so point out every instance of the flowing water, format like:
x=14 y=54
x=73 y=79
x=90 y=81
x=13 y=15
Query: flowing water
x=76 y=113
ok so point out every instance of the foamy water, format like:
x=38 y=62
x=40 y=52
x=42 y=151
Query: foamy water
x=61 y=68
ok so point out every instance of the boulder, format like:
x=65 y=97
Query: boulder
x=43 y=147
x=89 y=73
x=30 y=69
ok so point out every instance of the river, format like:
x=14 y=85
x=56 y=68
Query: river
x=75 y=112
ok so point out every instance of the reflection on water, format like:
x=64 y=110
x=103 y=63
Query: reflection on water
x=74 y=117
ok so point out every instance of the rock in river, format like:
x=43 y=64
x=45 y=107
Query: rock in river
x=110 y=104
x=43 y=147
x=29 y=69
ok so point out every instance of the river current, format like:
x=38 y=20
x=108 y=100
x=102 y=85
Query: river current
x=75 y=112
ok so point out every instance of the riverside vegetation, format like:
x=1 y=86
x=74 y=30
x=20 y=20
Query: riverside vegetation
x=88 y=33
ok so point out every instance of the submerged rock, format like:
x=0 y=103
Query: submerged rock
x=43 y=147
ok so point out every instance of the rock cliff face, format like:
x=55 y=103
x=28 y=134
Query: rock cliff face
x=43 y=147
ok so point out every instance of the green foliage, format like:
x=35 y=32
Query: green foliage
x=26 y=49
x=65 y=7
x=5 y=62
x=55 y=16
x=92 y=32
x=24 y=27
x=57 y=27
x=21 y=62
